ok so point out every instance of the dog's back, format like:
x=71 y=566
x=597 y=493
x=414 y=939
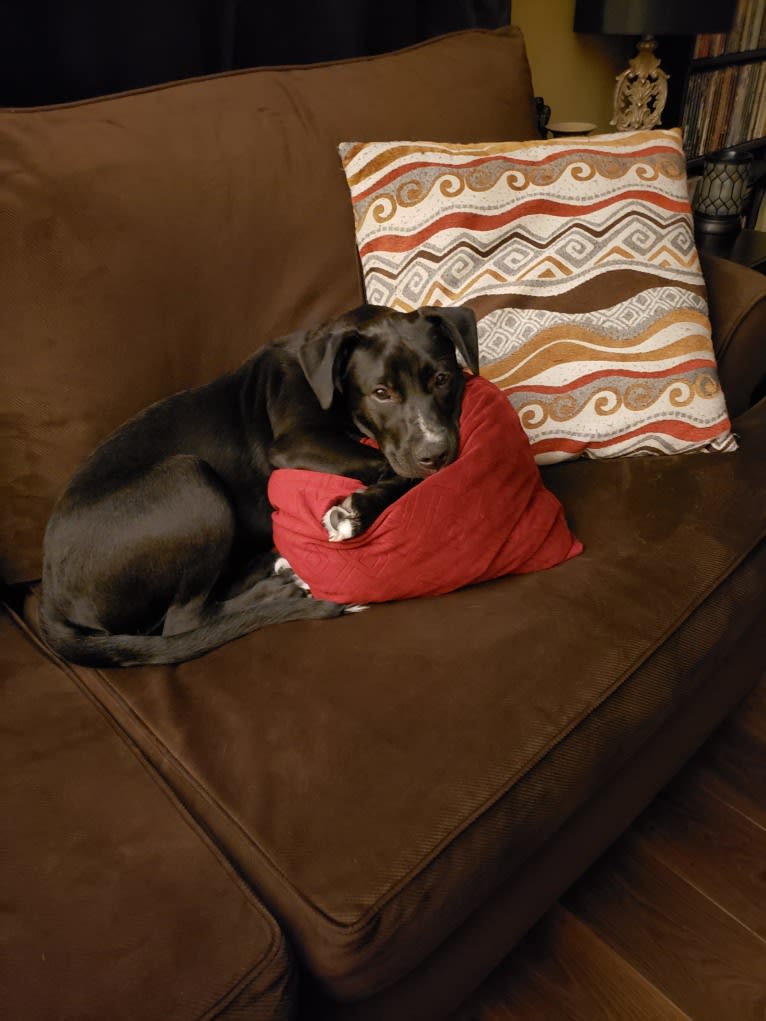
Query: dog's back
x=161 y=547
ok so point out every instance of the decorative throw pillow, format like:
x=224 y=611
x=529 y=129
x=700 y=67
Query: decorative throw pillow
x=485 y=515
x=578 y=257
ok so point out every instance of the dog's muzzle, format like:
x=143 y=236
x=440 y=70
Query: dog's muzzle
x=427 y=449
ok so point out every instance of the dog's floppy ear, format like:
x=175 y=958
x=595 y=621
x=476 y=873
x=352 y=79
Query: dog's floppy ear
x=321 y=354
x=460 y=324
x=317 y=357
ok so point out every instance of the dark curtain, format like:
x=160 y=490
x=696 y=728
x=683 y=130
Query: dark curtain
x=54 y=51
x=334 y=29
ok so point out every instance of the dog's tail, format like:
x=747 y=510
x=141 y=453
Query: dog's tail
x=106 y=650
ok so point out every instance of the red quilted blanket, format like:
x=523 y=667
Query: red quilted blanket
x=487 y=514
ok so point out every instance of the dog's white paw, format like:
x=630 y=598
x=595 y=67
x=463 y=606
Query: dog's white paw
x=341 y=522
x=282 y=567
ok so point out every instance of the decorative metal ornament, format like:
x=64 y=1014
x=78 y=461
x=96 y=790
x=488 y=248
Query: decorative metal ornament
x=641 y=90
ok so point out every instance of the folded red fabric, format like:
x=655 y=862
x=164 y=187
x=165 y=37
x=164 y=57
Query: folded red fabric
x=485 y=515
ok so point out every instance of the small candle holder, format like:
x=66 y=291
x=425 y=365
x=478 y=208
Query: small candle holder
x=722 y=192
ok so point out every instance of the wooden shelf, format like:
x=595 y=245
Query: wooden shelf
x=722 y=106
x=754 y=145
x=726 y=59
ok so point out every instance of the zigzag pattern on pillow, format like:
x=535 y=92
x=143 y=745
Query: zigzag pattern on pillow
x=579 y=259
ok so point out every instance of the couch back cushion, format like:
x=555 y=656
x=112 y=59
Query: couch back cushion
x=152 y=240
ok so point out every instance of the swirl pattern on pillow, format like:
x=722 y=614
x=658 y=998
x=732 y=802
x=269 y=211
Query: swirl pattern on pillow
x=578 y=257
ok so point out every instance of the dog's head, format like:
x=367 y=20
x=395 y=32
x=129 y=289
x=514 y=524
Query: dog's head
x=398 y=378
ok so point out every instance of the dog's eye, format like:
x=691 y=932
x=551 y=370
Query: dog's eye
x=382 y=393
x=442 y=378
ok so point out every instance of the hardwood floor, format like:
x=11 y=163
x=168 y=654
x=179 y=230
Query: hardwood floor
x=671 y=923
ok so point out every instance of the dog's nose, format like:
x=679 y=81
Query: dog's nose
x=433 y=460
x=432 y=446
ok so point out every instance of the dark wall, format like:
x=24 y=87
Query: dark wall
x=54 y=51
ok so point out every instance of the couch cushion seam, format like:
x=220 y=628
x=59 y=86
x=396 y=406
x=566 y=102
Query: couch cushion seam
x=181 y=811
x=349 y=928
x=198 y=786
x=551 y=746
x=252 y=974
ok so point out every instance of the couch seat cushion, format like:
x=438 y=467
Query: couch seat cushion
x=378 y=776
x=115 y=904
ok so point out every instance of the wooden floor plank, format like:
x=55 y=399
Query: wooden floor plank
x=715 y=848
x=671 y=923
x=732 y=764
x=752 y=709
x=563 y=972
x=695 y=953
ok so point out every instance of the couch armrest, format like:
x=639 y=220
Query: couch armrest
x=737 y=298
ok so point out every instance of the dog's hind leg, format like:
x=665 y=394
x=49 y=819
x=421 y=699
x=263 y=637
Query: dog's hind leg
x=119 y=552
x=185 y=616
x=271 y=600
x=138 y=574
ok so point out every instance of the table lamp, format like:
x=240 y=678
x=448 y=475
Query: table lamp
x=642 y=88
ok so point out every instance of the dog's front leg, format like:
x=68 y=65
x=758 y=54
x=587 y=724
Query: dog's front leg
x=330 y=453
x=358 y=511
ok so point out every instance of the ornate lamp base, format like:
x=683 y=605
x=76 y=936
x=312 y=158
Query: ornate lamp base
x=641 y=90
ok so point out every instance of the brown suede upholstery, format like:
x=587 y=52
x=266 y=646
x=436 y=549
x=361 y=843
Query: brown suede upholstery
x=461 y=962
x=737 y=309
x=109 y=887
x=443 y=758
x=394 y=796
x=154 y=240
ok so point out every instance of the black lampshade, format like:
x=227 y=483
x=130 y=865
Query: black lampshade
x=654 y=17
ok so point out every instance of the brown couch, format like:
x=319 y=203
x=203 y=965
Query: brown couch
x=346 y=819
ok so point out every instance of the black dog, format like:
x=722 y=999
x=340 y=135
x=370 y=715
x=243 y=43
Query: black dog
x=160 y=548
